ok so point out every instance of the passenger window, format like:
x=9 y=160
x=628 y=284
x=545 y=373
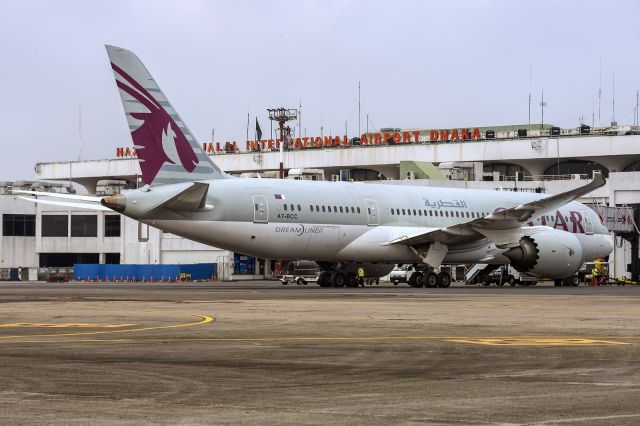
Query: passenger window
x=335 y=209
x=311 y=207
x=352 y=210
x=322 y=209
x=391 y=212
x=403 y=212
x=446 y=213
x=293 y=208
x=285 y=207
x=419 y=212
x=299 y=208
x=358 y=209
x=409 y=212
x=318 y=208
x=340 y=209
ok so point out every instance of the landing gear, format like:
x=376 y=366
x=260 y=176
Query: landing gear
x=416 y=279
x=338 y=279
x=324 y=280
x=444 y=279
x=485 y=280
x=511 y=280
x=431 y=280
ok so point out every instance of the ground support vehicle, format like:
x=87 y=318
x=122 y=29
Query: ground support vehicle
x=401 y=274
x=301 y=272
x=501 y=276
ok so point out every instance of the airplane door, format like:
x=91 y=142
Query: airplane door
x=373 y=216
x=260 y=209
x=588 y=223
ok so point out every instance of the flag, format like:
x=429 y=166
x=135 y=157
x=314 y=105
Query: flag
x=280 y=197
x=258 y=130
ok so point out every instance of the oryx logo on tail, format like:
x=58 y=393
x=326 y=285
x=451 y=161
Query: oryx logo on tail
x=158 y=139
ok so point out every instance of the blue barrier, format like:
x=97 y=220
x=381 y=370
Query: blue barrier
x=136 y=272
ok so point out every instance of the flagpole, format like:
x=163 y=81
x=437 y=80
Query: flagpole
x=247 y=127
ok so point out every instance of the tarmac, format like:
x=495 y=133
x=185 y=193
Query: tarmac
x=262 y=353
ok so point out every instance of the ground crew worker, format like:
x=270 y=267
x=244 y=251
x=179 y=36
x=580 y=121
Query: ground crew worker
x=594 y=276
x=361 y=276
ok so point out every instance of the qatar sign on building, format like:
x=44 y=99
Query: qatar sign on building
x=366 y=139
x=378 y=138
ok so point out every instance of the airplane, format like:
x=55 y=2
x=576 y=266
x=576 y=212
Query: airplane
x=343 y=226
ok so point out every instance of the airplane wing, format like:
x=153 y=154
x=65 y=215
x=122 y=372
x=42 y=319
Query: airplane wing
x=496 y=226
x=55 y=199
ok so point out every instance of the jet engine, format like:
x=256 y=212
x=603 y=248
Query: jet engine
x=549 y=253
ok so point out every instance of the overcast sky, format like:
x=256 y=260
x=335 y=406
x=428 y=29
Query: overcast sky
x=420 y=64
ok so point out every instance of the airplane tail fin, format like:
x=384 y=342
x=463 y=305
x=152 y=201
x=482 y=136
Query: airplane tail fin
x=166 y=149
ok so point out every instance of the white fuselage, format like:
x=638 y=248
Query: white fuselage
x=348 y=222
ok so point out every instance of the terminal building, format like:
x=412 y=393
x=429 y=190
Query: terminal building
x=533 y=158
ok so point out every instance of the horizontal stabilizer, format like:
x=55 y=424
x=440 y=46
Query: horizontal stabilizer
x=69 y=204
x=88 y=198
x=191 y=199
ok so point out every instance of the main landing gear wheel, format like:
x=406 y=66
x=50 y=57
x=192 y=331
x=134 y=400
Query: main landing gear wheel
x=431 y=280
x=419 y=279
x=444 y=279
x=338 y=279
x=573 y=280
x=413 y=279
x=324 y=280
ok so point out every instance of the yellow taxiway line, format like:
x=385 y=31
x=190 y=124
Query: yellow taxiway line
x=204 y=320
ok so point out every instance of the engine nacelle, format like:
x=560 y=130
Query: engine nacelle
x=549 y=253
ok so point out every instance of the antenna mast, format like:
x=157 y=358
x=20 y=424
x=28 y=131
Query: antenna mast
x=613 y=122
x=600 y=92
x=542 y=105
x=359 y=134
x=79 y=132
x=637 y=110
x=530 y=75
x=300 y=118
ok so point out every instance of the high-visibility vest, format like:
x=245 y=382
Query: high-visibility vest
x=361 y=272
